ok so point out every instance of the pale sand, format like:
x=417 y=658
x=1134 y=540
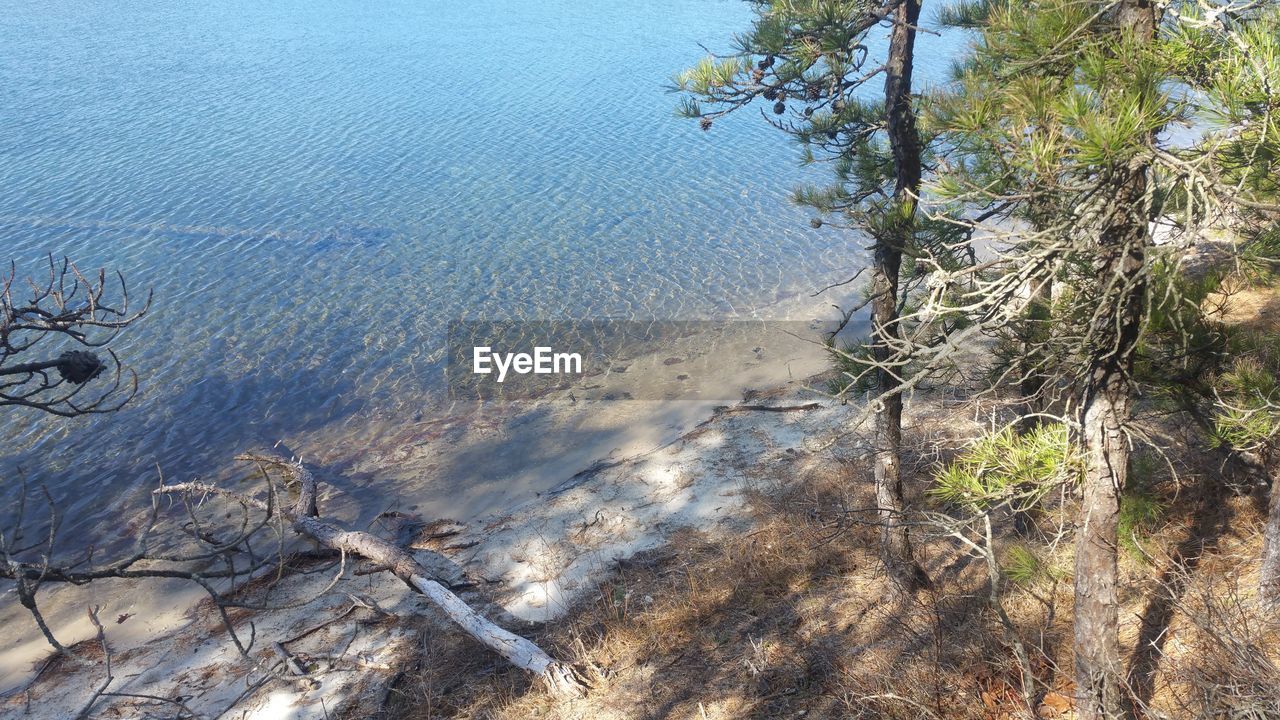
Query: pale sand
x=551 y=491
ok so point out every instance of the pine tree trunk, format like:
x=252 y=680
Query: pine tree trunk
x=1097 y=646
x=905 y=143
x=1120 y=274
x=1269 y=582
x=1104 y=412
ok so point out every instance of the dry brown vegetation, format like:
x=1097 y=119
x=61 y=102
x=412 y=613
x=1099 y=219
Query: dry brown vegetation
x=795 y=618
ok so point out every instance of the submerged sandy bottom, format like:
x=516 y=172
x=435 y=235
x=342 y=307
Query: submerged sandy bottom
x=549 y=492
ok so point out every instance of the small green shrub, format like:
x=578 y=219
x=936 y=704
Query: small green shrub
x=853 y=362
x=1246 y=415
x=1181 y=343
x=1005 y=467
x=1141 y=511
x=1260 y=255
x=1022 y=565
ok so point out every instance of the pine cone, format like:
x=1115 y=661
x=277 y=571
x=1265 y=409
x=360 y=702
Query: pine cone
x=770 y=94
x=704 y=123
x=779 y=108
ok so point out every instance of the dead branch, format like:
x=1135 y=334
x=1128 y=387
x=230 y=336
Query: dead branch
x=560 y=677
x=729 y=410
x=106 y=651
x=49 y=341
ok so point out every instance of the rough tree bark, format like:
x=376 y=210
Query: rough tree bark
x=905 y=143
x=304 y=518
x=1120 y=269
x=1097 y=646
x=1269 y=582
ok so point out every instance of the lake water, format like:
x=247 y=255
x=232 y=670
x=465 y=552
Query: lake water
x=314 y=189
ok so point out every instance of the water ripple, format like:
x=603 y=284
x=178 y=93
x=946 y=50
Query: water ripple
x=314 y=189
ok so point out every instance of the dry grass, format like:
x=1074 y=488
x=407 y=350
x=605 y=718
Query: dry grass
x=1246 y=305
x=791 y=619
x=795 y=618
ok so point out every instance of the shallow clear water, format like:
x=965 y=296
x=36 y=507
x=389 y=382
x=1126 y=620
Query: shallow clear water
x=314 y=189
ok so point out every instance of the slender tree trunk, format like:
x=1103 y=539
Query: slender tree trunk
x=1119 y=270
x=1269 y=582
x=1104 y=412
x=1097 y=646
x=905 y=143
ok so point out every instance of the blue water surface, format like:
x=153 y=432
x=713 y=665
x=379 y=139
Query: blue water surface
x=314 y=189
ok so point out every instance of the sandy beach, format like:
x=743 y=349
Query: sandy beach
x=540 y=496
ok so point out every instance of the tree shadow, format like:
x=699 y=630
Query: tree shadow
x=196 y=435
x=1211 y=519
x=754 y=626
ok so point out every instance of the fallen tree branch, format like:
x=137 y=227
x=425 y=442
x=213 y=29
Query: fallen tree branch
x=290 y=661
x=727 y=409
x=559 y=677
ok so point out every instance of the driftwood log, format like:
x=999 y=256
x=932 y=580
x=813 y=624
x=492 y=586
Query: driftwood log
x=304 y=517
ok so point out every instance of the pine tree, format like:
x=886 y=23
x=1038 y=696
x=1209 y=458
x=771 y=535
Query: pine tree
x=1058 y=115
x=808 y=62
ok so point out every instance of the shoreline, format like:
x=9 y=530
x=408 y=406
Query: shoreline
x=604 y=498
